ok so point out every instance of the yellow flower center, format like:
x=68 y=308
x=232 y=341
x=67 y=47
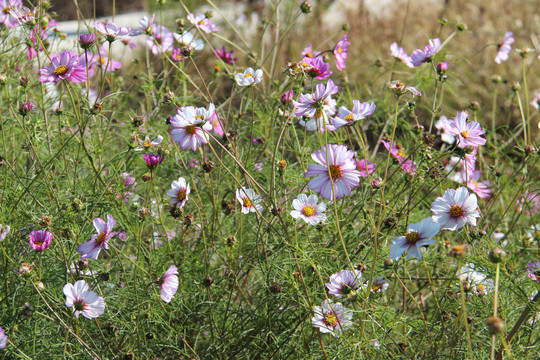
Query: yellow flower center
x=248 y=75
x=456 y=211
x=339 y=50
x=376 y=287
x=191 y=130
x=147 y=144
x=38 y=243
x=412 y=237
x=481 y=287
x=335 y=172
x=7 y=9
x=197 y=117
x=464 y=133
x=202 y=22
x=330 y=319
x=309 y=55
x=349 y=118
x=308 y=211
x=101 y=238
x=181 y=196
x=60 y=70
x=246 y=202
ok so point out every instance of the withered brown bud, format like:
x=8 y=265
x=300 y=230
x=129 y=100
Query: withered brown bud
x=189 y=219
x=23 y=81
x=388 y=263
x=96 y=109
x=231 y=240
x=459 y=251
x=276 y=288
x=147 y=176
x=143 y=212
x=46 y=221
x=208 y=166
x=208 y=281
x=495 y=325
x=175 y=212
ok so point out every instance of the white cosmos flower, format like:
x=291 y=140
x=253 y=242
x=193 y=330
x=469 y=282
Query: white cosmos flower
x=83 y=301
x=249 y=200
x=331 y=318
x=249 y=77
x=187 y=39
x=307 y=209
x=179 y=192
x=455 y=209
x=417 y=235
x=474 y=281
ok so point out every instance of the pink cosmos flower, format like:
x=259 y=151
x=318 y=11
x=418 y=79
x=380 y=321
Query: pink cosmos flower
x=4 y=233
x=161 y=39
x=308 y=209
x=331 y=318
x=202 y=23
x=169 y=284
x=397 y=151
x=177 y=56
x=83 y=301
x=418 y=56
x=249 y=200
x=190 y=126
x=152 y=160
x=344 y=282
x=455 y=209
x=32 y=43
x=315 y=67
x=64 y=66
x=365 y=170
x=8 y=12
x=179 y=192
x=400 y=54
x=3 y=339
x=468 y=133
x=480 y=188
x=40 y=239
x=111 y=31
x=308 y=52
x=443 y=131
x=101 y=60
x=100 y=240
x=226 y=56
x=504 y=47
x=318 y=107
x=347 y=117
x=529 y=202
x=417 y=235
x=340 y=169
x=341 y=52
x=533 y=271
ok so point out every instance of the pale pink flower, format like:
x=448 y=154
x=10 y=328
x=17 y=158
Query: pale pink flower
x=344 y=282
x=179 y=192
x=161 y=39
x=417 y=235
x=504 y=47
x=3 y=339
x=533 y=271
x=250 y=201
x=446 y=137
x=191 y=125
x=400 y=54
x=381 y=284
x=346 y=117
x=529 y=202
x=397 y=151
x=4 y=233
x=455 y=209
x=83 y=301
x=318 y=107
x=468 y=133
x=341 y=52
x=202 y=23
x=475 y=282
x=335 y=172
x=308 y=209
x=536 y=102
x=169 y=284
x=418 y=56
x=65 y=66
x=100 y=240
x=480 y=188
x=8 y=10
x=40 y=240
x=332 y=318
x=111 y=31
x=308 y=52
x=365 y=170
x=145 y=26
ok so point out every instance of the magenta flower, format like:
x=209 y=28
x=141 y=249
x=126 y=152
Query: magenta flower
x=87 y=40
x=344 y=282
x=335 y=177
x=32 y=44
x=468 y=134
x=455 y=209
x=169 y=284
x=365 y=170
x=287 y=97
x=227 y=57
x=83 y=301
x=533 y=271
x=202 y=23
x=318 y=106
x=417 y=235
x=316 y=67
x=111 y=31
x=152 y=160
x=504 y=47
x=442 y=67
x=177 y=55
x=341 y=52
x=64 y=66
x=3 y=339
x=8 y=12
x=161 y=39
x=418 y=56
x=100 y=240
x=40 y=239
x=400 y=54
x=347 y=117
x=190 y=126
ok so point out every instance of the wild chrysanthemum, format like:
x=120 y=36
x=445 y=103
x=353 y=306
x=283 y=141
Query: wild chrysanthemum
x=190 y=126
x=504 y=47
x=455 y=209
x=40 y=240
x=344 y=282
x=169 y=284
x=100 y=240
x=83 y=301
x=65 y=66
x=178 y=193
x=308 y=209
x=467 y=133
x=335 y=172
x=249 y=200
x=332 y=318
x=417 y=235
x=249 y=77
x=317 y=107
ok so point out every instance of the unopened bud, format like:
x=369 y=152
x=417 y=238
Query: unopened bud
x=495 y=325
x=208 y=281
x=497 y=255
x=305 y=7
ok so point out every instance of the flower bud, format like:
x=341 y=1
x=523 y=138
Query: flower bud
x=147 y=176
x=275 y=288
x=495 y=325
x=23 y=81
x=305 y=7
x=26 y=108
x=231 y=240
x=442 y=67
x=208 y=281
x=142 y=212
x=497 y=255
x=516 y=86
x=208 y=166
x=287 y=97
x=175 y=212
x=388 y=263
x=87 y=40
